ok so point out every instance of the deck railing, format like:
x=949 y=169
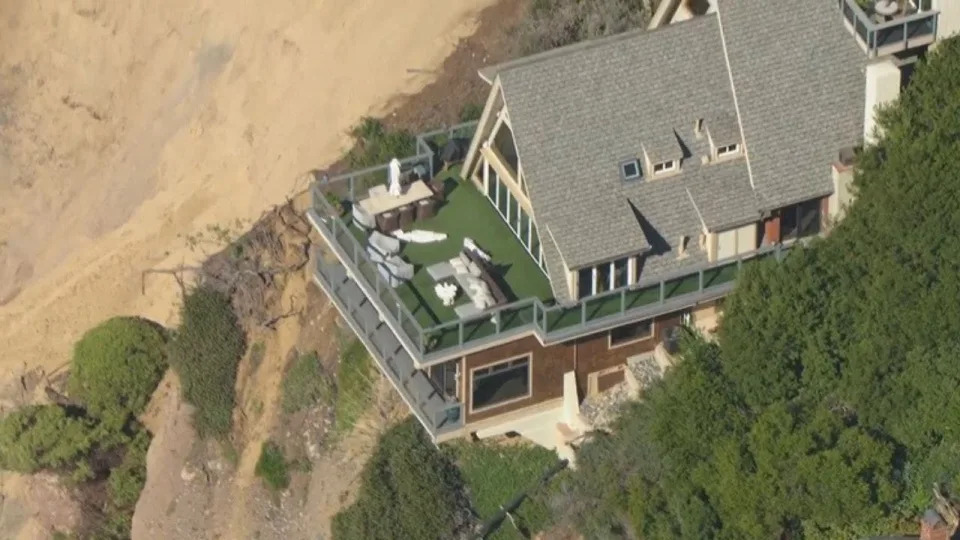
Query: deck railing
x=896 y=35
x=551 y=323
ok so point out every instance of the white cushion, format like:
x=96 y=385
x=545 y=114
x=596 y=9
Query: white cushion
x=473 y=269
x=458 y=266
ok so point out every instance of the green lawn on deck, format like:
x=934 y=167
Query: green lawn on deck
x=467 y=213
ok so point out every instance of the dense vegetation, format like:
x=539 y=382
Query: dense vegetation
x=305 y=384
x=272 y=467
x=374 y=144
x=829 y=408
x=408 y=490
x=355 y=377
x=205 y=352
x=116 y=366
x=554 y=23
x=494 y=474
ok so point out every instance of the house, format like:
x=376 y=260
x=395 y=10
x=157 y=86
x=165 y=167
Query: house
x=619 y=187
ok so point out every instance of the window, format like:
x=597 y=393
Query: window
x=446 y=377
x=728 y=150
x=603 y=278
x=665 y=167
x=631 y=333
x=500 y=383
x=630 y=169
x=619 y=273
x=503 y=199
x=585 y=282
x=492 y=181
x=800 y=220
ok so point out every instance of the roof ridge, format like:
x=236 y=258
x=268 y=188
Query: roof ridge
x=489 y=72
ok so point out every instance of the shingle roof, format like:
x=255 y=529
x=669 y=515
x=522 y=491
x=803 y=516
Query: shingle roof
x=799 y=82
x=577 y=115
x=579 y=111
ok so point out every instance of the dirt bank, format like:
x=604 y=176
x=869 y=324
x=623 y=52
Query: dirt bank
x=127 y=126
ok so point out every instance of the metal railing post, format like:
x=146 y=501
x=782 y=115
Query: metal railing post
x=460 y=332
x=623 y=300
x=663 y=291
x=545 y=329
x=352 y=193
x=700 y=285
x=583 y=312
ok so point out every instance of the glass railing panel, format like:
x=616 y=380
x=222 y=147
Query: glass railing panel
x=602 y=306
x=921 y=28
x=681 y=286
x=442 y=337
x=719 y=275
x=638 y=298
x=514 y=317
x=891 y=35
x=562 y=317
x=479 y=328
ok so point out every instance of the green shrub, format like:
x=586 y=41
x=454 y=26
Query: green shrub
x=305 y=384
x=408 y=490
x=272 y=467
x=470 y=112
x=554 y=23
x=116 y=367
x=123 y=488
x=44 y=437
x=355 y=378
x=495 y=474
x=374 y=144
x=205 y=352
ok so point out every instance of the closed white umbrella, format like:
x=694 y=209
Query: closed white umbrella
x=394 y=178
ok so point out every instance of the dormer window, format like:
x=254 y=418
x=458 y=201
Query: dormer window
x=630 y=169
x=665 y=166
x=728 y=150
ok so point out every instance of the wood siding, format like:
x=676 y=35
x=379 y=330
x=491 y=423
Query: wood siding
x=548 y=364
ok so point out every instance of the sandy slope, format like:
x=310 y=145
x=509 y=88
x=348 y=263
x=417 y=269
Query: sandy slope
x=125 y=125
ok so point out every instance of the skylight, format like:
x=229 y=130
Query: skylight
x=630 y=169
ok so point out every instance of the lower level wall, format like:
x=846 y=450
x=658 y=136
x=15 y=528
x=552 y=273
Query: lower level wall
x=583 y=356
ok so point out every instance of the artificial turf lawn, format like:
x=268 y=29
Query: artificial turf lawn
x=467 y=213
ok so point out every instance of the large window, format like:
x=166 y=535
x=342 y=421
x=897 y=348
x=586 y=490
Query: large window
x=500 y=383
x=503 y=142
x=604 y=277
x=631 y=332
x=800 y=220
x=514 y=215
x=585 y=282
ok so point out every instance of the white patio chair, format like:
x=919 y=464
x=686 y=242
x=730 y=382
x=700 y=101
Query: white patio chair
x=363 y=219
x=386 y=245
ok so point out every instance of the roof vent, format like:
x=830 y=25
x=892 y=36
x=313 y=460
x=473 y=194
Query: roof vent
x=698 y=128
x=704 y=160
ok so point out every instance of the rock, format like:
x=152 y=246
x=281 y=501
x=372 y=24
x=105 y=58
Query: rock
x=187 y=475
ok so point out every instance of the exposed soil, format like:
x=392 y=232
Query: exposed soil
x=201 y=489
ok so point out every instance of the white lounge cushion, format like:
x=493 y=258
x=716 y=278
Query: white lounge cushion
x=384 y=244
x=362 y=218
x=473 y=269
x=458 y=266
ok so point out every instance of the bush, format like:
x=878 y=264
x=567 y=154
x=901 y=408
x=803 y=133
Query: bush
x=471 y=112
x=123 y=488
x=40 y=437
x=305 y=384
x=205 y=352
x=408 y=490
x=272 y=467
x=555 y=23
x=116 y=367
x=374 y=144
x=354 y=385
x=495 y=474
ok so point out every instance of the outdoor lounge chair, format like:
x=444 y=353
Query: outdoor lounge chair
x=362 y=219
x=387 y=245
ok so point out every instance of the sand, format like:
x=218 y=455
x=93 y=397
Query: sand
x=127 y=127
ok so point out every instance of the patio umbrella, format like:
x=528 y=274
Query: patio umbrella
x=393 y=177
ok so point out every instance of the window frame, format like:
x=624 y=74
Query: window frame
x=528 y=357
x=728 y=150
x=627 y=163
x=665 y=167
x=630 y=341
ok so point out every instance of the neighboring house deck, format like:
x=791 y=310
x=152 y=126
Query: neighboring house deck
x=620 y=186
